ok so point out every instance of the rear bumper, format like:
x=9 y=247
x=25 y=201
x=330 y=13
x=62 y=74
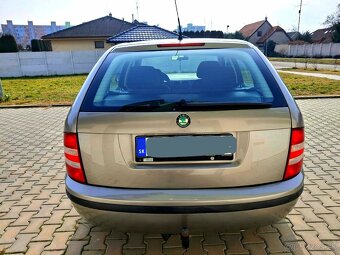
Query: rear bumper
x=168 y=211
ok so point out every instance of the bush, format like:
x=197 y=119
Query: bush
x=8 y=44
x=41 y=45
x=270 y=47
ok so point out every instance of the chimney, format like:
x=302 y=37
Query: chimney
x=265 y=18
x=110 y=14
x=67 y=24
x=53 y=26
x=9 y=22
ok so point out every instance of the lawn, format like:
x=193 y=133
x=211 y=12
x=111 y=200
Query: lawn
x=63 y=89
x=42 y=90
x=300 y=85
x=327 y=61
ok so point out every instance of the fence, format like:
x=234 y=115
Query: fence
x=47 y=63
x=309 y=50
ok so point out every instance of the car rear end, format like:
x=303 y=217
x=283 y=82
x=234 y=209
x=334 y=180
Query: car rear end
x=198 y=134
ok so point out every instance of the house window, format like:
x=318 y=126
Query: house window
x=259 y=33
x=99 y=44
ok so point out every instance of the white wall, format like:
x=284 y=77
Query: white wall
x=47 y=63
x=309 y=50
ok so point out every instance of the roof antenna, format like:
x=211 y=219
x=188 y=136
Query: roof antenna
x=180 y=35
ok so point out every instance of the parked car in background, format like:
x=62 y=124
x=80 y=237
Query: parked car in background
x=174 y=136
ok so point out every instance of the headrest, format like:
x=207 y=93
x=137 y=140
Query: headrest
x=223 y=77
x=209 y=69
x=145 y=78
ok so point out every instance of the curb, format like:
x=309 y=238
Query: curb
x=317 y=97
x=69 y=105
x=33 y=106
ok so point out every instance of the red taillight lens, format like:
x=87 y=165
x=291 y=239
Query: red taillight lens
x=168 y=45
x=295 y=157
x=72 y=157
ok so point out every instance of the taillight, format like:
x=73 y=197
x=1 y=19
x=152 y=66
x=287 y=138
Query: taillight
x=72 y=157
x=295 y=157
x=167 y=45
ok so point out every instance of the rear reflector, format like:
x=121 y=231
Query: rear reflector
x=295 y=157
x=166 y=45
x=72 y=157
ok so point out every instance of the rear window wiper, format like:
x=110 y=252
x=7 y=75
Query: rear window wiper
x=143 y=105
x=162 y=105
x=153 y=105
x=227 y=105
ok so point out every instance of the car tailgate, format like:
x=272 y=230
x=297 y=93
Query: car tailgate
x=107 y=145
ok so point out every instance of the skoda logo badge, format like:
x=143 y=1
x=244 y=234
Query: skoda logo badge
x=183 y=120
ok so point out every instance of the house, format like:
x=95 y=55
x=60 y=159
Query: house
x=324 y=35
x=261 y=32
x=23 y=34
x=90 y=35
x=294 y=35
x=142 y=32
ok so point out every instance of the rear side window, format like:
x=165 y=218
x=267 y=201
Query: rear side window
x=177 y=80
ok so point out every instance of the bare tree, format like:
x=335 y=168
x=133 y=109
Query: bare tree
x=334 y=18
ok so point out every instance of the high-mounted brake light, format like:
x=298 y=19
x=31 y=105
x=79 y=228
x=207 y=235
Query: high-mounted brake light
x=168 y=45
x=72 y=157
x=295 y=157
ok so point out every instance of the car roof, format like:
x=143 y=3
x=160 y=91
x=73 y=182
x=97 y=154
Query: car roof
x=192 y=43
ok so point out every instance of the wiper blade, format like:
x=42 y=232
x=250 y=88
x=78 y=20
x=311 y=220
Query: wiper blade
x=149 y=105
x=162 y=105
x=227 y=105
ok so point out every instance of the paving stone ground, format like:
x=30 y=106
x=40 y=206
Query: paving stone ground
x=36 y=217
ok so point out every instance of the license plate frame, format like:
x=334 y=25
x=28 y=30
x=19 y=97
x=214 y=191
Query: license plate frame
x=142 y=149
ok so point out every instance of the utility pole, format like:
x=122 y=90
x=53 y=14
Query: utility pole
x=299 y=16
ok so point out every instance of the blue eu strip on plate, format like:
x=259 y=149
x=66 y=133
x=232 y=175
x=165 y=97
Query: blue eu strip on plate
x=141 y=147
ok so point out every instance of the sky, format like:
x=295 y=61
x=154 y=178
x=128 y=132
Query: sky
x=214 y=14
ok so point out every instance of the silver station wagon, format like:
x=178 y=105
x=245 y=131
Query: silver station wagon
x=175 y=136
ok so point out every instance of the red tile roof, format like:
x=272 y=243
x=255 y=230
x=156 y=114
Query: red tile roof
x=250 y=29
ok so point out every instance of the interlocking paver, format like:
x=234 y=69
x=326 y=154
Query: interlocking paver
x=34 y=226
x=215 y=249
x=46 y=233
x=256 y=248
x=20 y=244
x=59 y=241
x=76 y=247
x=313 y=242
x=274 y=244
x=323 y=232
x=23 y=219
x=153 y=245
x=97 y=241
x=196 y=246
x=36 y=217
x=35 y=248
x=233 y=243
x=287 y=233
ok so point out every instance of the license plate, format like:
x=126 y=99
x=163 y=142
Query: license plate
x=170 y=148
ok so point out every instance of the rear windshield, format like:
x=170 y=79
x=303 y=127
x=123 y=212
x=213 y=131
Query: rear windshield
x=177 y=80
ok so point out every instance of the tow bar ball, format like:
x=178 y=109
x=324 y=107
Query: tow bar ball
x=185 y=238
